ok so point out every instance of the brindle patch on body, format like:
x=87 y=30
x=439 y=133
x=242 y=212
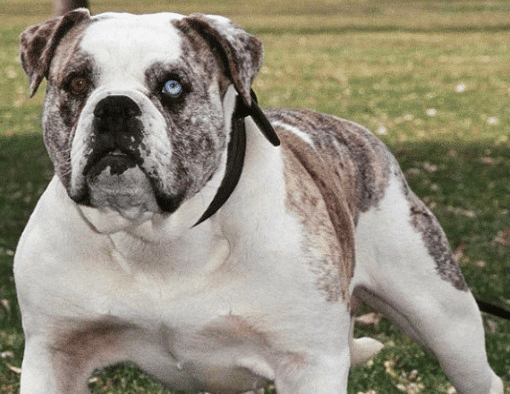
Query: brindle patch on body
x=329 y=183
x=344 y=171
x=436 y=242
x=329 y=263
x=358 y=159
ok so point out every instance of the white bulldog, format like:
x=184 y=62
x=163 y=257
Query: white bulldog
x=174 y=235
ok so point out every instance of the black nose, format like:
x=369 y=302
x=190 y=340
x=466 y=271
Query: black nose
x=117 y=115
x=117 y=107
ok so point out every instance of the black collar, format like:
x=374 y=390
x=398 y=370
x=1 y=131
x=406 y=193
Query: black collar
x=236 y=151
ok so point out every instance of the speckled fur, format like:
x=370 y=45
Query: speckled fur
x=39 y=43
x=315 y=196
x=240 y=53
x=436 y=242
x=360 y=165
x=197 y=129
x=360 y=160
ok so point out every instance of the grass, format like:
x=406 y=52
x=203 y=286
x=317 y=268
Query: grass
x=430 y=78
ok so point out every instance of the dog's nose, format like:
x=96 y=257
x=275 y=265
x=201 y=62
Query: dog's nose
x=117 y=115
x=117 y=135
x=117 y=107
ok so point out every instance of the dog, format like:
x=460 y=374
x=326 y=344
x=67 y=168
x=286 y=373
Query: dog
x=218 y=258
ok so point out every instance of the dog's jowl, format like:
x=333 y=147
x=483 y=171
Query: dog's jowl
x=139 y=119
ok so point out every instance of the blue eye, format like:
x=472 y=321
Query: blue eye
x=172 y=88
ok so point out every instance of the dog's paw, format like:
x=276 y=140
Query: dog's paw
x=363 y=349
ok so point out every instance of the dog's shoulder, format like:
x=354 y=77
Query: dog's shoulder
x=334 y=170
x=349 y=154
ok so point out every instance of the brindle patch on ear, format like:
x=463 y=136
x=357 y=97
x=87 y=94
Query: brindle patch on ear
x=38 y=44
x=240 y=53
x=315 y=195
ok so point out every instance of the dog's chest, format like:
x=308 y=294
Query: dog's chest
x=183 y=332
x=207 y=339
x=183 y=326
x=224 y=355
x=203 y=309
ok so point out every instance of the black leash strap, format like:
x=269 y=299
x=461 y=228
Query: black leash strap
x=236 y=151
x=262 y=122
x=242 y=111
x=493 y=309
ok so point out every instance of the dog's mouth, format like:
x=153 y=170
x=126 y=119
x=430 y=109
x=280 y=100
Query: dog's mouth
x=117 y=182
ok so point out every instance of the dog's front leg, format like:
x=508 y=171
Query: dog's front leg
x=36 y=377
x=44 y=371
x=325 y=374
x=61 y=362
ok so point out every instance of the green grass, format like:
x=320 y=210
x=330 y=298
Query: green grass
x=431 y=78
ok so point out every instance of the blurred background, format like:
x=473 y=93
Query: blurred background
x=430 y=78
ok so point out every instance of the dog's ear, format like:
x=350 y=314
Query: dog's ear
x=240 y=52
x=39 y=42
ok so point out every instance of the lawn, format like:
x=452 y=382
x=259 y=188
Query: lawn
x=430 y=78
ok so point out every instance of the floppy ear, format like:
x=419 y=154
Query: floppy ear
x=39 y=42
x=240 y=52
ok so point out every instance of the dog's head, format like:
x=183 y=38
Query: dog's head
x=137 y=111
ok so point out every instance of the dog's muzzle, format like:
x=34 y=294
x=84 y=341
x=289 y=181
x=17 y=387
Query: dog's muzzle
x=114 y=173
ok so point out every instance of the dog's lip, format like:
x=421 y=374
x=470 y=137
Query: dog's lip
x=96 y=157
x=167 y=203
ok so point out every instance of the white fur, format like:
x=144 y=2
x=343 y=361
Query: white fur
x=295 y=131
x=152 y=35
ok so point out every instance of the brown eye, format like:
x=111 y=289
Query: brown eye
x=79 y=86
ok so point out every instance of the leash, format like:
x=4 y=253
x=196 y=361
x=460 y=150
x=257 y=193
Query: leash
x=493 y=309
x=237 y=149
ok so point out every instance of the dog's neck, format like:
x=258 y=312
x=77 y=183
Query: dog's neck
x=237 y=150
x=171 y=243
x=234 y=168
